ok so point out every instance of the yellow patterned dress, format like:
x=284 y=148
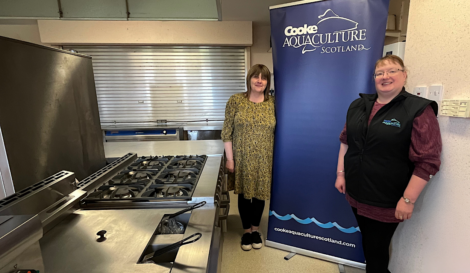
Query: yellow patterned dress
x=250 y=128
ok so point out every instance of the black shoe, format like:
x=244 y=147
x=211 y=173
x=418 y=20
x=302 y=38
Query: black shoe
x=247 y=241
x=257 y=241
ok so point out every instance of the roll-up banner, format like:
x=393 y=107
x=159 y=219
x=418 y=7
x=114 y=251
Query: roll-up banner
x=324 y=54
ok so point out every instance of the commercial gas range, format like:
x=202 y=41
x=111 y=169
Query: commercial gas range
x=152 y=179
x=125 y=202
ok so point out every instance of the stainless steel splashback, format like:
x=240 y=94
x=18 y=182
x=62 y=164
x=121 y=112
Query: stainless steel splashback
x=48 y=112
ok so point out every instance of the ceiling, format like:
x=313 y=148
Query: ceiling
x=256 y=11
x=249 y=10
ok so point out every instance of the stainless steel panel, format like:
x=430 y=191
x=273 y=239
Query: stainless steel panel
x=55 y=213
x=72 y=247
x=204 y=126
x=30 y=258
x=48 y=112
x=168 y=137
x=206 y=187
x=200 y=147
x=215 y=257
x=135 y=205
x=175 y=83
x=36 y=198
x=212 y=125
x=195 y=257
x=17 y=235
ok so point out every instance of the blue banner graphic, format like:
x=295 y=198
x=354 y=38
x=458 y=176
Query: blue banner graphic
x=324 y=55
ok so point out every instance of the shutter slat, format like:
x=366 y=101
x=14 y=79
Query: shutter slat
x=142 y=84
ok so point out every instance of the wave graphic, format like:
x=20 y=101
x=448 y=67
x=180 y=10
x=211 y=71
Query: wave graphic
x=313 y=220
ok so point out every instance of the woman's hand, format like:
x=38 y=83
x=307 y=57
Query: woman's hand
x=340 y=184
x=404 y=210
x=230 y=165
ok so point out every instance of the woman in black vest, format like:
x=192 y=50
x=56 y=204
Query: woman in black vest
x=390 y=148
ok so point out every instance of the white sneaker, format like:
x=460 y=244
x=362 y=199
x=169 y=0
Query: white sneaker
x=247 y=242
x=257 y=240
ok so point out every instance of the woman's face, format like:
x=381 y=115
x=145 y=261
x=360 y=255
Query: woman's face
x=258 y=83
x=389 y=78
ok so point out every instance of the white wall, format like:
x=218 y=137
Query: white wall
x=24 y=30
x=437 y=238
x=259 y=50
x=224 y=33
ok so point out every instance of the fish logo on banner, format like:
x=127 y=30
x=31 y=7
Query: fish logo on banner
x=331 y=29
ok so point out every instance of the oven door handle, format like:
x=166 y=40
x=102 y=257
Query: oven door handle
x=227 y=210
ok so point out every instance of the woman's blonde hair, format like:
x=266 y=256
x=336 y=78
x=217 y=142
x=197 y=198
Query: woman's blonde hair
x=254 y=71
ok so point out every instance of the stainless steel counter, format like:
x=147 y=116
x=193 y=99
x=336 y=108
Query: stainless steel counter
x=200 y=147
x=72 y=245
x=212 y=125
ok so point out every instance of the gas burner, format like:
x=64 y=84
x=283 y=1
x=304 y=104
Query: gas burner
x=176 y=177
x=147 y=165
x=187 y=169
x=176 y=192
x=167 y=192
x=199 y=158
x=123 y=193
x=116 y=192
x=152 y=178
x=133 y=177
x=192 y=165
x=164 y=159
x=150 y=163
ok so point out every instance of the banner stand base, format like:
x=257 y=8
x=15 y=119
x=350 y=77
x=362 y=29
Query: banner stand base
x=317 y=255
x=289 y=256
x=341 y=268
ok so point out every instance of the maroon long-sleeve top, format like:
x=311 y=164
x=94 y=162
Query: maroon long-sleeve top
x=425 y=153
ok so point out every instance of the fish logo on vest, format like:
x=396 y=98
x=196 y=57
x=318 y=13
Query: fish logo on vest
x=393 y=122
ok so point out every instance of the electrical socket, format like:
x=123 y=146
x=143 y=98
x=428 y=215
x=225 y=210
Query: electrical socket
x=421 y=91
x=436 y=92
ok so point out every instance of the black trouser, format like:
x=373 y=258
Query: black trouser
x=250 y=211
x=376 y=237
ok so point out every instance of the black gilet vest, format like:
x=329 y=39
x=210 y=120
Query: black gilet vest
x=377 y=164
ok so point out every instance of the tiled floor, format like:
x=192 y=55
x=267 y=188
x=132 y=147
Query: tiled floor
x=235 y=260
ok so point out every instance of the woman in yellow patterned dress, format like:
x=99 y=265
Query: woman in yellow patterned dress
x=248 y=136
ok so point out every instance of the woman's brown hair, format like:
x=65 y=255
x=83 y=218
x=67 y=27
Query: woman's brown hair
x=391 y=58
x=254 y=71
